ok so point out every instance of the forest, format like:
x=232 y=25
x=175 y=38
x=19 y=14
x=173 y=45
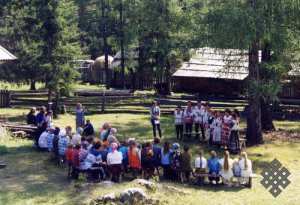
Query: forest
x=47 y=35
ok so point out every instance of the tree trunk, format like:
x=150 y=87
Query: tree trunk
x=107 y=71
x=266 y=110
x=266 y=115
x=32 y=85
x=254 y=135
x=122 y=36
x=141 y=65
x=49 y=98
x=168 y=78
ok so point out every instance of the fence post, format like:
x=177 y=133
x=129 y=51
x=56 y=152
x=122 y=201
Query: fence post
x=103 y=103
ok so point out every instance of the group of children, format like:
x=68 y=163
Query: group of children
x=219 y=129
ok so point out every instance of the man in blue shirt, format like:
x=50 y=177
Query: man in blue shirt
x=213 y=165
x=123 y=149
x=41 y=117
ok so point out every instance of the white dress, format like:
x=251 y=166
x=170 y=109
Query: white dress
x=178 y=117
x=217 y=129
x=198 y=113
x=227 y=175
x=245 y=172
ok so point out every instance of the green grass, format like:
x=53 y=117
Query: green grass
x=30 y=177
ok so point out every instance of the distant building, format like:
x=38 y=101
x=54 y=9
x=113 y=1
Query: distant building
x=213 y=71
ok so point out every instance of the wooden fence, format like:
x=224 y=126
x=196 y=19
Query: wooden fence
x=4 y=98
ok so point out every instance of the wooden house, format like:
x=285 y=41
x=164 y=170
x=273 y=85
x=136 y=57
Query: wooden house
x=213 y=72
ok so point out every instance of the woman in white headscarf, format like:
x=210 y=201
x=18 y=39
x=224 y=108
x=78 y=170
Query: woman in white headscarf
x=112 y=137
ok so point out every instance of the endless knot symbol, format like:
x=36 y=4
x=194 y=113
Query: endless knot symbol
x=275 y=177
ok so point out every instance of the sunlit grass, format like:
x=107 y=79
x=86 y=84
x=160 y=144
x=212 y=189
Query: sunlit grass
x=31 y=178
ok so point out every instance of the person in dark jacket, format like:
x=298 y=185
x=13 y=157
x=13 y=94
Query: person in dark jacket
x=31 y=116
x=41 y=117
x=88 y=128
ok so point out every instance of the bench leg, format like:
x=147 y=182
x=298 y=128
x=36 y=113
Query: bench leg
x=250 y=183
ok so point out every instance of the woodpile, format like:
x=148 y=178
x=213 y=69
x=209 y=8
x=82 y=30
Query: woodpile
x=15 y=127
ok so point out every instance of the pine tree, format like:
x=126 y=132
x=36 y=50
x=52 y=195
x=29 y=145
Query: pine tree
x=249 y=25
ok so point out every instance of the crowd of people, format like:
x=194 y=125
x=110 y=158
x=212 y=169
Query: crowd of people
x=107 y=157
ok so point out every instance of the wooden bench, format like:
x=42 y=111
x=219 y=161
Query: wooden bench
x=238 y=177
x=185 y=134
x=19 y=133
x=242 y=142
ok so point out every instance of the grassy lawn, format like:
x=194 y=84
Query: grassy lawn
x=30 y=177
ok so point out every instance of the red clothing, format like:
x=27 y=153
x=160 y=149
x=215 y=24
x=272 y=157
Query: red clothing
x=75 y=158
x=134 y=160
x=69 y=153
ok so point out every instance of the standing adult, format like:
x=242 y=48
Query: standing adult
x=41 y=117
x=178 y=115
x=31 y=116
x=225 y=128
x=188 y=118
x=79 y=115
x=233 y=142
x=155 y=118
x=199 y=112
x=166 y=160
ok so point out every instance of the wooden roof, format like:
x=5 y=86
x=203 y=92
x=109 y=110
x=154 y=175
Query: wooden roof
x=216 y=63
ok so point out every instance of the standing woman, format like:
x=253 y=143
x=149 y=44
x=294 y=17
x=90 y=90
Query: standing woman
x=217 y=123
x=155 y=118
x=178 y=114
x=188 y=118
x=79 y=115
x=166 y=160
x=225 y=128
x=199 y=111
x=233 y=143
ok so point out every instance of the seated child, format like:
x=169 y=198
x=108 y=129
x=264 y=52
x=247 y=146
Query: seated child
x=90 y=140
x=55 y=144
x=123 y=149
x=246 y=168
x=200 y=165
x=69 y=157
x=49 y=138
x=114 y=161
x=75 y=161
x=62 y=145
x=104 y=151
x=236 y=167
x=185 y=164
x=213 y=165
